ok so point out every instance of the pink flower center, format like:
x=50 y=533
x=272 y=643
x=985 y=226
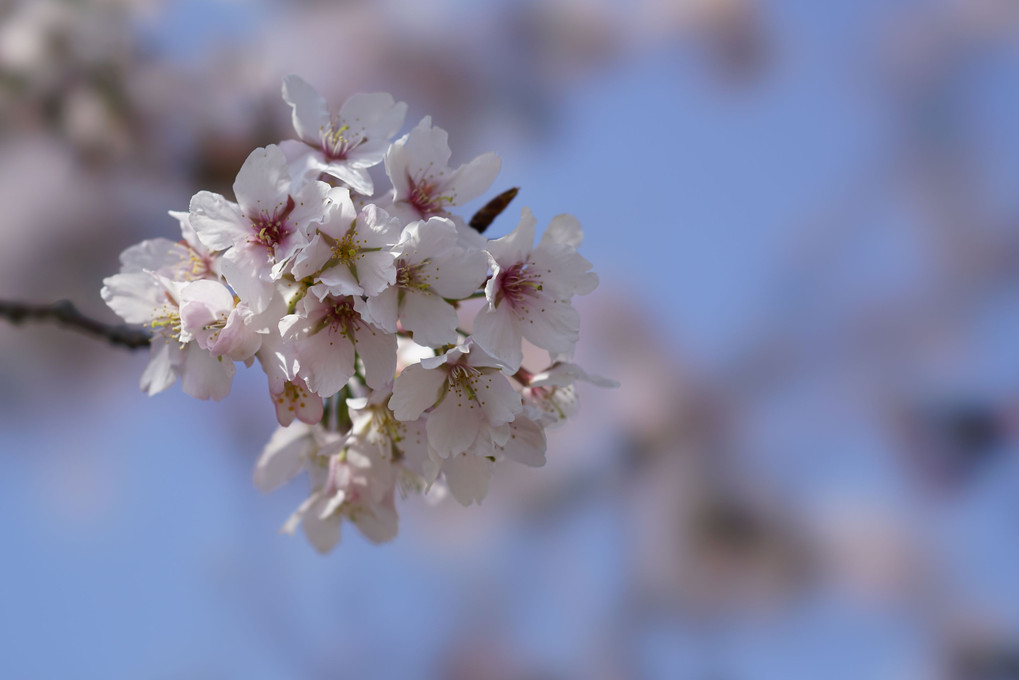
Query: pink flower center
x=343 y=317
x=424 y=198
x=271 y=230
x=336 y=145
x=517 y=285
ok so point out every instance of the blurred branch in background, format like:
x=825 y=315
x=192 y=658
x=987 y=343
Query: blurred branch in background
x=64 y=313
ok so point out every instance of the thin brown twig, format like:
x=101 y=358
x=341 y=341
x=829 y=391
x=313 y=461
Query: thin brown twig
x=66 y=314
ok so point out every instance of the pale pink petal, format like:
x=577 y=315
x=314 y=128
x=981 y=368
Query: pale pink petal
x=310 y=113
x=563 y=230
x=322 y=533
x=458 y=275
x=204 y=376
x=496 y=398
x=263 y=183
x=376 y=228
x=134 y=296
x=309 y=207
x=379 y=523
x=377 y=350
x=283 y=456
x=373 y=115
x=414 y=156
x=472 y=179
x=161 y=372
x=526 y=444
x=376 y=271
x=453 y=425
x=564 y=272
x=423 y=240
x=383 y=309
x=247 y=272
x=218 y=223
x=294 y=400
x=467 y=476
x=416 y=389
x=357 y=179
x=339 y=280
x=432 y=320
x=565 y=373
x=554 y=326
x=497 y=332
x=516 y=246
x=153 y=254
x=310 y=259
x=326 y=361
x=340 y=213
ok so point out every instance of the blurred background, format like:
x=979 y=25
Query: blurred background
x=805 y=217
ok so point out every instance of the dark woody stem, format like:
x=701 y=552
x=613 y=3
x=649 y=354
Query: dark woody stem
x=66 y=314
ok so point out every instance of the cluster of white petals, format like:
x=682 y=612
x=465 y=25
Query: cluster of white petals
x=351 y=301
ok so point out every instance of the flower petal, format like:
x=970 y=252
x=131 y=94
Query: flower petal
x=218 y=223
x=496 y=330
x=555 y=326
x=472 y=179
x=515 y=247
x=453 y=425
x=467 y=476
x=310 y=113
x=432 y=320
x=377 y=350
x=263 y=183
x=204 y=376
x=373 y=115
x=416 y=389
x=526 y=444
x=283 y=456
x=383 y=309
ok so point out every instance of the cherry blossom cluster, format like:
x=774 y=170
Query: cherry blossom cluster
x=352 y=300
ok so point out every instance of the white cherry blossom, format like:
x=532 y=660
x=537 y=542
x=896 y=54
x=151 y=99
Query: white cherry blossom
x=350 y=253
x=470 y=396
x=345 y=145
x=467 y=473
x=349 y=485
x=431 y=268
x=404 y=443
x=153 y=301
x=550 y=396
x=530 y=289
x=423 y=183
x=326 y=334
x=261 y=232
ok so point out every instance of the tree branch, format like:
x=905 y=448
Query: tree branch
x=66 y=314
